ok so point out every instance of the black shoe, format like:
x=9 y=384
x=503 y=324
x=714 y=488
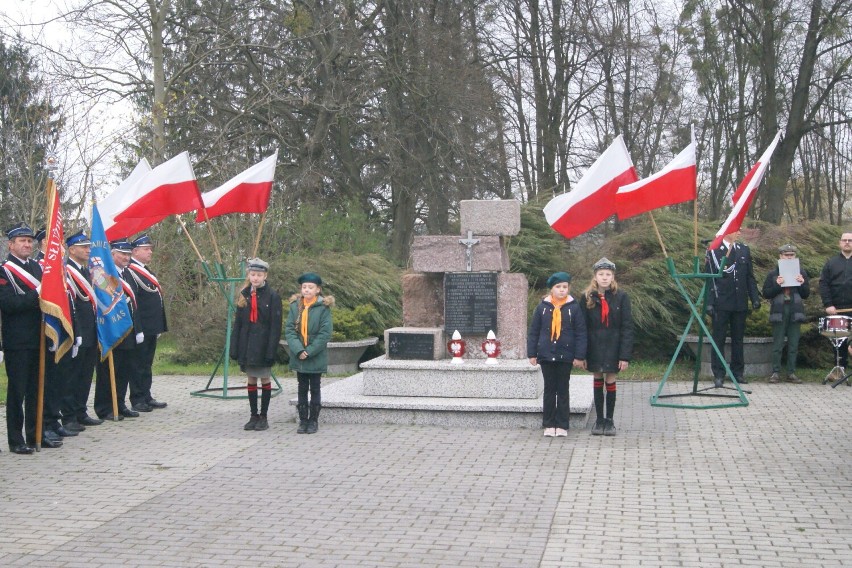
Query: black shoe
x=111 y=418
x=48 y=443
x=717 y=382
x=157 y=404
x=127 y=413
x=22 y=449
x=51 y=435
x=742 y=381
x=142 y=407
x=313 y=426
x=65 y=432
x=598 y=428
x=609 y=428
x=89 y=421
x=74 y=426
x=262 y=424
x=252 y=423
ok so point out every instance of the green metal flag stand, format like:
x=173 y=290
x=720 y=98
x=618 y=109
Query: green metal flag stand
x=228 y=287
x=695 y=316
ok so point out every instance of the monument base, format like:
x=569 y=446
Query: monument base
x=344 y=402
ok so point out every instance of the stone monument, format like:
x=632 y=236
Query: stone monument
x=457 y=283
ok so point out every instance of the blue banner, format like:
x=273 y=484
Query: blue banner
x=114 y=318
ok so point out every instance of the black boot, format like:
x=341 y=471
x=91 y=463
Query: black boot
x=252 y=423
x=303 y=418
x=598 y=428
x=313 y=424
x=609 y=427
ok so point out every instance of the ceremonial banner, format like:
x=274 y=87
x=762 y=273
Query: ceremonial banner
x=53 y=297
x=114 y=321
x=168 y=189
x=673 y=184
x=248 y=192
x=117 y=201
x=592 y=200
x=745 y=193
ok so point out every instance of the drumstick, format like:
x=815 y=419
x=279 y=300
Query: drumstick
x=844 y=310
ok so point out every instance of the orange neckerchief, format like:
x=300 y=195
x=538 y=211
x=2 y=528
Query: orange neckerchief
x=304 y=326
x=556 y=321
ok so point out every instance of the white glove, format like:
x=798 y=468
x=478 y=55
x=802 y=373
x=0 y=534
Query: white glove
x=78 y=342
x=1 y=356
x=140 y=337
x=74 y=350
x=52 y=348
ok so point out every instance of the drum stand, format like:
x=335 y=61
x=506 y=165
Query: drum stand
x=837 y=373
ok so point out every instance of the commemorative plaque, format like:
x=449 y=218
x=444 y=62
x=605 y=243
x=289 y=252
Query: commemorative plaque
x=470 y=302
x=411 y=346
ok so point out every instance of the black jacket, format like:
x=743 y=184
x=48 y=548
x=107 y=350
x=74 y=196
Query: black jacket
x=151 y=314
x=775 y=294
x=571 y=343
x=737 y=285
x=835 y=282
x=21 y=311
x=255 y=344
x=85 y=324
x=608 y=344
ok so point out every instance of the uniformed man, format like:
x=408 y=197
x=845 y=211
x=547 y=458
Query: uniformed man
x=835 y=287
x=124 y=354
x=42 y=244
x=20 y=285
x=727 y=302
x=78 y=371
x=151 y=319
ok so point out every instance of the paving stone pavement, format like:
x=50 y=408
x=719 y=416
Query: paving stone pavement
x=766 y=485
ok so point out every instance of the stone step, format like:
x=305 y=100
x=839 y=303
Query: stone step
x=344 y=402
x=509 y=378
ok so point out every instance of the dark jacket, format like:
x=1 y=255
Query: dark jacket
x=255 y=344
x=737 y=285
x=775 y=294
x=608 y=344
x=85 y=324
x=319 y=334
x=21 y=311
x=835 y=282
x=129 y=342
x=151 y=313
x=571 y=343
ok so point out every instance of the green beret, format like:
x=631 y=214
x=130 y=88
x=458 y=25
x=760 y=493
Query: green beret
x=558 y=278
x=310 y=277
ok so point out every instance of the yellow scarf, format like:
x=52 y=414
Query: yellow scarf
x=556 y=321
x=304 y=326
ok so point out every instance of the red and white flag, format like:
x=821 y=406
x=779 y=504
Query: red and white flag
x=248 y=192
x=168 y=189
x=592 y=200
x=118 y=200
x=745 y=194
x=673 y=184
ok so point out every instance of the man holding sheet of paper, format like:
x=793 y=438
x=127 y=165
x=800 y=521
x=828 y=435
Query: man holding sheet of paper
x=785 y=288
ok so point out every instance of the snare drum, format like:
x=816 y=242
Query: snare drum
x=835 y=326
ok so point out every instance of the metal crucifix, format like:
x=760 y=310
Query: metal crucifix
x=468 y=253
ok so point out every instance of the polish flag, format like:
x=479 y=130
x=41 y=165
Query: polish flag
x=118 y=201
x=168 y=189
x=248 y=192
x=745 y=194
x=673 y=184
x=592 y=200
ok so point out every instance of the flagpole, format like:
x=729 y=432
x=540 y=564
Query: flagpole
x=212 y=236
x=40 y=400
x=657 y=231
x=259 y=232
x=188 y=236
x=695 y=225
x=112 y=388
